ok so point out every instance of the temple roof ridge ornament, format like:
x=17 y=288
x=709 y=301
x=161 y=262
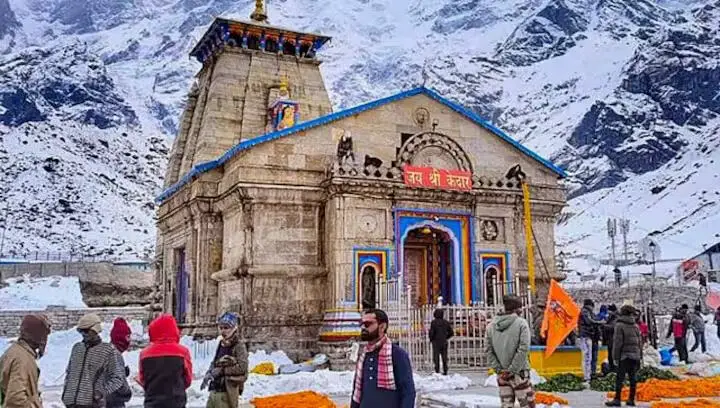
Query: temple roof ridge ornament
x=284 y=86
x=259 y=14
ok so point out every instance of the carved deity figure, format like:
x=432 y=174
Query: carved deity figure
x=288 y=117
x=345 y=148
x=368 y=288
x=489 y=230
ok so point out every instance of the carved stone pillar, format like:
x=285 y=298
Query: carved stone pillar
x=191 y=264
x=208 y=238
x=160 y=267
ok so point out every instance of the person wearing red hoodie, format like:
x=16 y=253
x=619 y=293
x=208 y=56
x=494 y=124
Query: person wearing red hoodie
x=165 y=366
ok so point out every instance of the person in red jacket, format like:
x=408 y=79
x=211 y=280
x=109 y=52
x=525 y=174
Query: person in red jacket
x=644 y=330
x=165 y=366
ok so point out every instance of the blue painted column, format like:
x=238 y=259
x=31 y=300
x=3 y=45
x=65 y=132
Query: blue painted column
x=444 y=273
x=281 y=44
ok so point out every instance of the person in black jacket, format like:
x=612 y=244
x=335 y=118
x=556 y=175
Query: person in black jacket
x=627 y=353
x=588 y=335
x=440 y=332
x=608 y=333
x=120 y=338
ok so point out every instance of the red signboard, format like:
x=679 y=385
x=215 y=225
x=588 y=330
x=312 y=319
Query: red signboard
x=437 y=178
x=690 y=269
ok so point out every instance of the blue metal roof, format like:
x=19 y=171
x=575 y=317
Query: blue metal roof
x=323 y=120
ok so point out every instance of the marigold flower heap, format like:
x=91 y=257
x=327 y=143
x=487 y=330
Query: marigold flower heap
x=653 y=389
x=549 y=399
x=304 y=399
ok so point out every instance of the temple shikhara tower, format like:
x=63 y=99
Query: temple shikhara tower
x=280 y=209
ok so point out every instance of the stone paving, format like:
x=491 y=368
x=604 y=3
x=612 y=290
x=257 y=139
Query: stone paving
x=578 y=399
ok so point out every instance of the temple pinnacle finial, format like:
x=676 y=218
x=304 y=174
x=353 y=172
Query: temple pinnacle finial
x=284 y=83
x=259 y=14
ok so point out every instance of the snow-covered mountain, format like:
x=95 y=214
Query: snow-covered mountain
x=624 y=93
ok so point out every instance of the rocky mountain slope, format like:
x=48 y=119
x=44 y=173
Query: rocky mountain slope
x=624 y=94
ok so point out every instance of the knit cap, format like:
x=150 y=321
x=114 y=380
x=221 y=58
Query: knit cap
x=119 y=334
x=511 y=303
x=35 y=329
x=228 y=319
x=90 y=321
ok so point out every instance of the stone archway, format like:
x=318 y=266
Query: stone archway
x=432 y=149
x=491 y=283
x=368 y=287
x=454 y=273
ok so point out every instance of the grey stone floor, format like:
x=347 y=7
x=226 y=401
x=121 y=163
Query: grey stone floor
x=578 y=399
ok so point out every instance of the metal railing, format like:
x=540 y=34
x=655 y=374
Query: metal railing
x=410 y=324
x=49 y=256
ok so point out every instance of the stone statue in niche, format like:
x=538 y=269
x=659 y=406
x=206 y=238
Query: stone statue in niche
x=368 y=288
x=345 y=148
x=490 y=230
x=283 y=112
x=421 y=117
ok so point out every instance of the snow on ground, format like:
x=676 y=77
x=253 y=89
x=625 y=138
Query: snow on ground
x=477 y=401
x=711 y=340
x=25 y=293
x=278 y=358
x=53 y=364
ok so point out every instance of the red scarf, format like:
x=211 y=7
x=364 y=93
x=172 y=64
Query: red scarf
x=386 y=378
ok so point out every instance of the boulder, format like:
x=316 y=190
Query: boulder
x=108 y=285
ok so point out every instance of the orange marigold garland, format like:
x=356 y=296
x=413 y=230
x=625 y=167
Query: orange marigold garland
x=303 y=399
x=654 y=389
x=698 y=403
x=549 y=399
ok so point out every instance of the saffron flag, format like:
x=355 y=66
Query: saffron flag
x=561 y=317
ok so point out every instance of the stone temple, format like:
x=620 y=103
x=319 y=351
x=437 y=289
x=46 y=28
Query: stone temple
x=280 y=208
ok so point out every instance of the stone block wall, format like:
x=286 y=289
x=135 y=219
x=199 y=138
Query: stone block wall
x=667 y=298
x=80 y=269
x=64 y=319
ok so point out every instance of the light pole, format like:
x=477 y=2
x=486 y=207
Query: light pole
x=653 y=325
x=561 y=262
x=653 y=248
x=652 y=251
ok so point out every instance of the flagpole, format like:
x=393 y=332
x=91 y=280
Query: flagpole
x=528 y=235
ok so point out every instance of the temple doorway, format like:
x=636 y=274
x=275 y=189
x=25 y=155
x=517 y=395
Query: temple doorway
x=491 y=285
x=368 y=290
x=181 y=285
x=428 y=255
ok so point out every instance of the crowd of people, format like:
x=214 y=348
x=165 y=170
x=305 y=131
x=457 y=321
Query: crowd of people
x=97 y=376
x=625 y=333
